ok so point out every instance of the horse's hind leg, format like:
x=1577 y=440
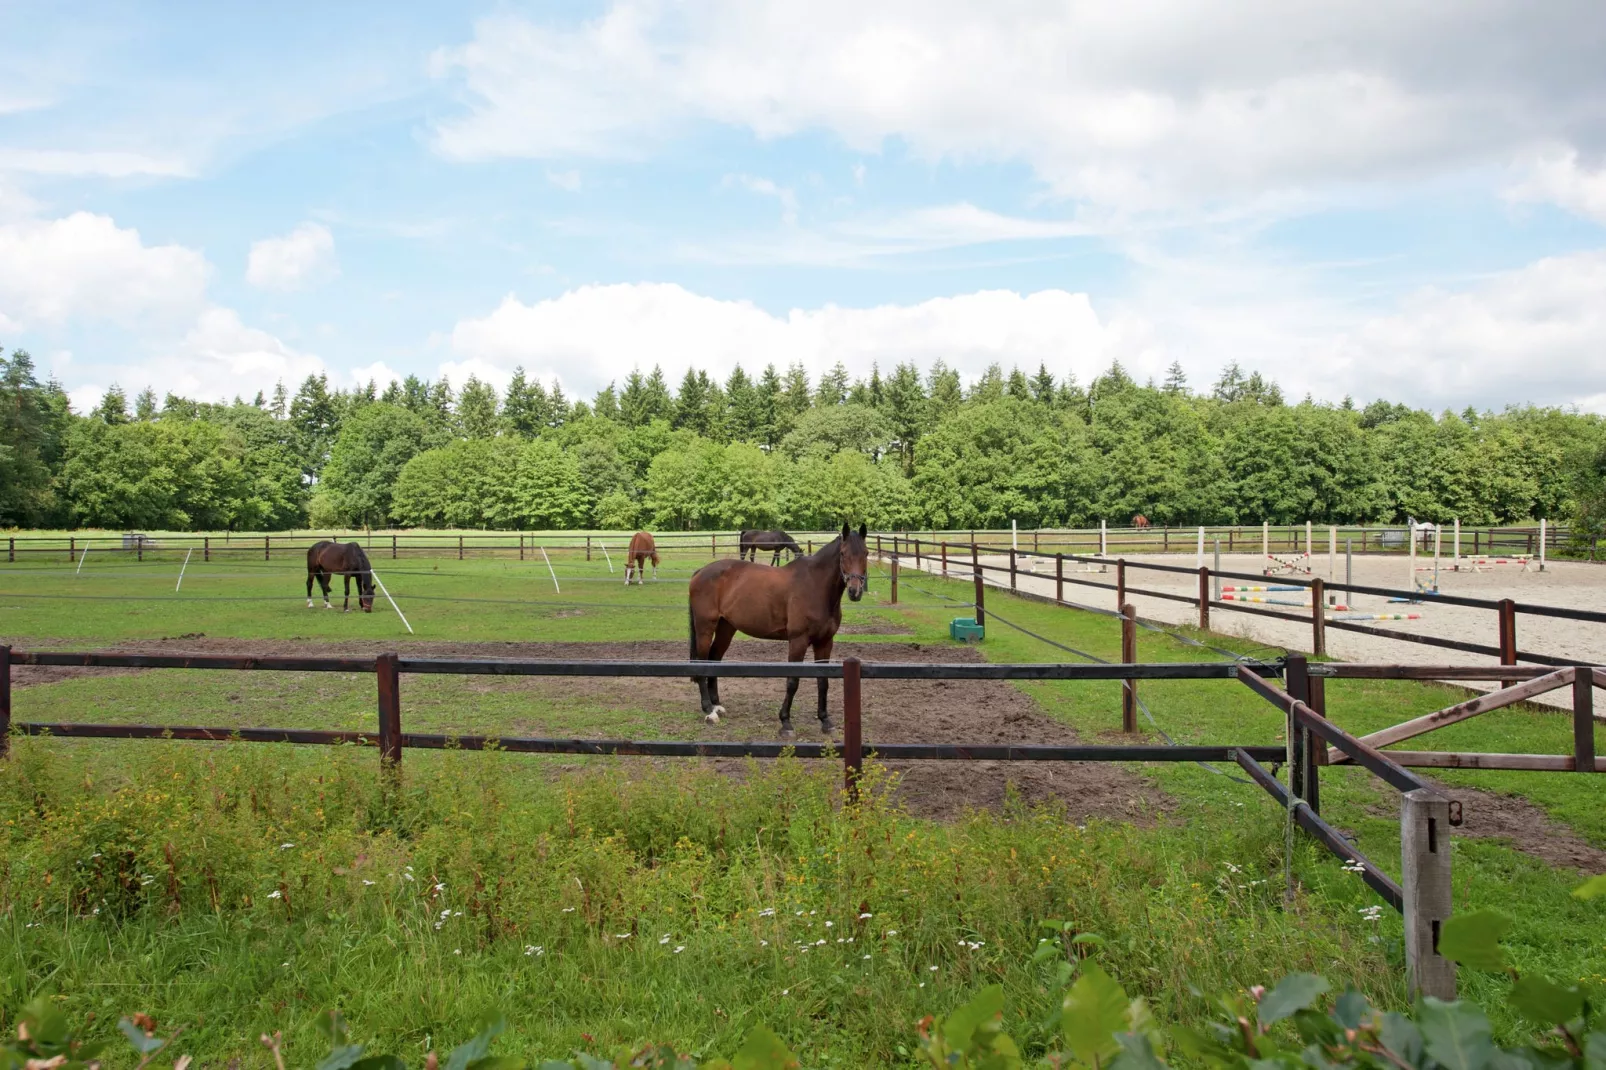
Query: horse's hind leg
x=797 y=646
x=702 y=643
x=309 y=588
x=345 y=607
x=724 y=632
x=822 y=652
x=326 y=587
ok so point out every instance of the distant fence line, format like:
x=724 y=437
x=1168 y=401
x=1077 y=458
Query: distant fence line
x=1238 y=538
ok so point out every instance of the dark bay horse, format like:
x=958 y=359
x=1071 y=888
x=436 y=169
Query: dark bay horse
x=801 y=603
x=773 y=540
x=641 y=548
x=327 y=559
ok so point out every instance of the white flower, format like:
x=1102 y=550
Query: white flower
x=664 y=939
x=621 y=936
x=275 y=894
x=446 y=913
x=867 y=956
x=680 y=948
x=865 y=917
x=933 y=969
x=532 y=949
x=285 y=846
x=568 y=910
x=440 y=887
x=763 y=943
x=798 y=913
x=368 y=882
x=457 y=951
x=767 y=912
x=407 y=876
x=786 y=991
x=892 y=932
x=922 y=984
x=286 y=965
x=829 y=924
x=817 y=943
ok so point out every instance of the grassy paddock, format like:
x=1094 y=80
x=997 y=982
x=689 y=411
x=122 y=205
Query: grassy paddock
x=566 y=855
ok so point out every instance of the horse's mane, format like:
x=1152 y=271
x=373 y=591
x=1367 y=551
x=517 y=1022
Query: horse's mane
x=362 y=557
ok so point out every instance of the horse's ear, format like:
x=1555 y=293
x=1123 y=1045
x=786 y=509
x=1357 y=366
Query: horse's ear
x=863 y=529
x=844 y=529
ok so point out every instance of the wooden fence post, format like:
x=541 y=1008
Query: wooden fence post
x=389 y=680
x=894 y=577
x=917 y=555
x=588 y=548
x=1120 y=583
x=1425 y=865
x=11 y=549
x=1204 y=598
x=72 y=549
x=1012 y=568
x=1296 y=675
x=1318 y=617
x=267 y=547
x=206 y=548
x=5 y=701
x=1508 y=635
x=460 y=547
x=1583 y=719
x=852 y=733
x=139 y=547
x=1059 y=577
x=981 y=589
x=945 y=559
x=1129 y=656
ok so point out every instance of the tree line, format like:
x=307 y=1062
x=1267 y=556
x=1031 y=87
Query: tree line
x=901 y=450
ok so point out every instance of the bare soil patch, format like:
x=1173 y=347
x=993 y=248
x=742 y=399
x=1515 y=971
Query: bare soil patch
x=1526 y=827
x=981 y=712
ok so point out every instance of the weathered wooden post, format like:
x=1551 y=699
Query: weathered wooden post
x=5 y=701
x=945 y=559
x=1059 y=577
x=139 y=547
x=72 y=549
x=206 y=548
x=1204 y=598
x=390 y=742
x=981 y=589
x=852 y=732
x=11 y=549
x=1584 y=719
x=1129 y=656
x=1296 y=676
x=917 y=555
x=460 y=547
x=1012 y=568
x=588 y=547
x=1508 y=635
x=1318 y=617
x=1425 y=864
x=1120 y=583
x=895 y=577
x=267 y=547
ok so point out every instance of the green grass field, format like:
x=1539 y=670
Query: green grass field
x=236 y=888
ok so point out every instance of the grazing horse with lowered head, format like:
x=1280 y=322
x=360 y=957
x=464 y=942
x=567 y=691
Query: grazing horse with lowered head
x=327 y=559
x=800 y=603
x=773 y=540
x=1140 y=522
x=641 y=548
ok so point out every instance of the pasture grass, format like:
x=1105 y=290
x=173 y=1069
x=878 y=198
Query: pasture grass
x=565 y=855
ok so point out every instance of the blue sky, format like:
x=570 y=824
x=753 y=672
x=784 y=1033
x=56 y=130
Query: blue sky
x=211 y=198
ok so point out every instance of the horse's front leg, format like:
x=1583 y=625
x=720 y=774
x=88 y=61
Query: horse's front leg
x=797 y=646
x=325 y=586
x=309 y=590
x=345 y=606
x=822 y=652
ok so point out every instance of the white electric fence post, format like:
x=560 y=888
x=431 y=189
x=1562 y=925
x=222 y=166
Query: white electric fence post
x=392 y=601
x=552 y=570
x=182 y=567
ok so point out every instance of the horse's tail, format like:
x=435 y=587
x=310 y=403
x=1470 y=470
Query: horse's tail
x=691 y=629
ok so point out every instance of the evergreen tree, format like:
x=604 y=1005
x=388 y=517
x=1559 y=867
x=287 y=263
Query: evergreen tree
x=1230 y=387
x=34 y=423
x=744 y=416
x=691 y=403
x=1018 y=388
x=315 y=421
x=415 y=395
x=259 y=401
x=905 y=407
x=1176 y=380
x=771 y=402
x=605 y=406
x=557 y=405
x=1043 y=385
x=525 y=408
x=833 y=389
x=476 y=410
x=656 y=402
x=280 y=408
x=990 y=387
x=392 y=394
x=145 y=405
x=113 y=407
x=438 y=406
x=944 y=392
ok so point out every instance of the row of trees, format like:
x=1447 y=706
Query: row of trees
x=900 y=450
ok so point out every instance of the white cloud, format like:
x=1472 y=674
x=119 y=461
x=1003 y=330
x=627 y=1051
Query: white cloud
x=595 y=334
x=65 y=163
x=1155 y=105
x=305 y=255
x=569 y=181
x=1559 y=178
x=84 y=266
x=765 y=187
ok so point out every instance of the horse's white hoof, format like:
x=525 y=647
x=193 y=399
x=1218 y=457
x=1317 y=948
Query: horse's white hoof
x=713 y=715
x=309 y=603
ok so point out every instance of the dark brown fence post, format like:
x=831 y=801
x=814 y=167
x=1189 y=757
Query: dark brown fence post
x=139 y=547
x=390 y=743
x=588 y=548
x=852 y=733
x=460 y=547
x=1059 y=577
x=1204 y=598
x=1129 y=656
x=981 y=595
x=945 y=559
x=267 y=547
x=5 y=701
x=206 y=548
x=1012 y=569
x=11 y=549
x=894 y=578
x=1296 y=675
x=1318 y=617
x=917 y=555
x=1583 y=719
x=1120 y=583
x=1508 y=635
x=72 y=549
x=713 y=544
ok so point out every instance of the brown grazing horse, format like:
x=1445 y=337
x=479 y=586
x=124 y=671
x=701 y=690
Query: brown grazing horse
x=800 y=603
x=1140 y=522
x=641 y=548
x=774 y=540
x=326 y=559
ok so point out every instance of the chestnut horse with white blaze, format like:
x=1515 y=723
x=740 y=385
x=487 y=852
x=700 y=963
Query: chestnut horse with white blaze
x=800 y=603
x=641 y=548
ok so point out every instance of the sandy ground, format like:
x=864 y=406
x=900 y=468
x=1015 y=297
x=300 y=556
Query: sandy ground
x=1568 y=584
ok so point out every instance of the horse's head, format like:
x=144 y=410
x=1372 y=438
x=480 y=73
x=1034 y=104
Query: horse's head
x=854 y=560
x=365 y=582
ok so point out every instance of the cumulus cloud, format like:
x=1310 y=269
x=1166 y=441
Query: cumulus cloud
x=1136 y=106
x=1560 y=178
x=84 y=266
x=597 y=334
x=303 y=256
x=71 y=163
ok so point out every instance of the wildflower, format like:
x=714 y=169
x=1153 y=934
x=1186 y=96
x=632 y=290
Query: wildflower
x=933 y=969
x=798 y=913
x=532 y=949
x=763 y=943
x=892 y=932
x=457 y=951
x=680 y=948
x=286 y=965
x=621 y=936
x=367 y=882
x=568 y=910
x=767 y=912
x=446 y=913
x=664 y=939
x=440 y=887
x=866 y=917
x=407 y=876
x=285 y=846
x=817 y=943
x=867 y=956
x=786 y=991
x=275 y=894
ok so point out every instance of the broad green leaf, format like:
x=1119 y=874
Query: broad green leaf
x=332 y=1027
x=1401 y=1036
x=1195 y=1044
x=1095 y=1009
x=1089 y=939
x=961 y=1026
x=1593 y=888
x=1351 y=1008
x=47 y=1025
x=1473 y=939
x=1294 y=993
x=1545 y=1002
x=763 y=1050
x=478 y=1046
x=1137 y=1053
x=341 y=1057
x=1595 y=1050
x=1456 y=1035
x=136 y=1036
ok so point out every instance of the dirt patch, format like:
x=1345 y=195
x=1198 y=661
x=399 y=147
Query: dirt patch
x=982 y=712
x=1526 y=827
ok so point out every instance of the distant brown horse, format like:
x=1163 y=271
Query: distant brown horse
x=641 y=548
x=774 y=540
x=1140 y=522
x=327 y=559
x=800 y=603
